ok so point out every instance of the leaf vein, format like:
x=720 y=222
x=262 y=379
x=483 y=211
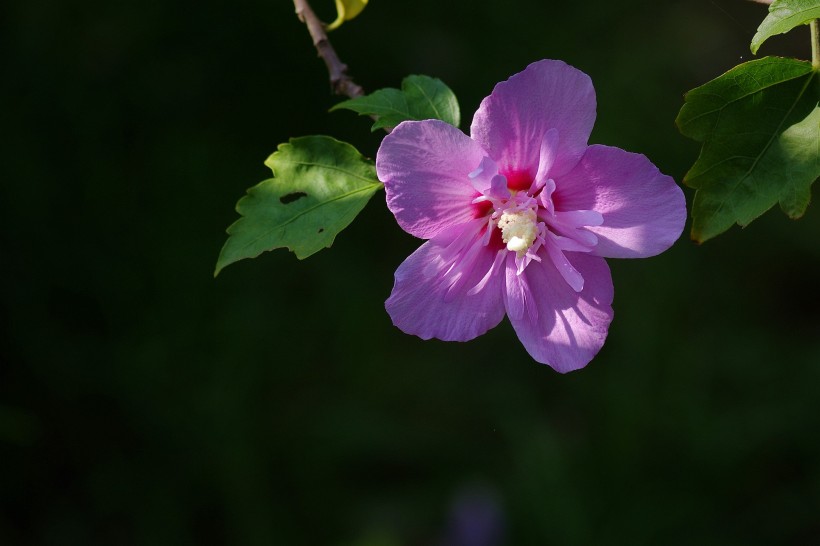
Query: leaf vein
x=325 y=166
x=768 y=144
x=306 y=211
x=741 y=97
x=432 y=104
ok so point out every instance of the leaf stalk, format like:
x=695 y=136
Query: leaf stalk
x=815 y=43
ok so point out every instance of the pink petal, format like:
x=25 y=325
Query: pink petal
x=518 y=303
x=425 y=167
x=568 y=328
x=549 y=147
x=643 y=210
x=440 y=295
x=512 y=122
x=561 y=262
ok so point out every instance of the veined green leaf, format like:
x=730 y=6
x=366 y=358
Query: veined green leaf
x=783 y=16
x=420 y=97
x=760 y=128
x=345 y=11
x=319 y=186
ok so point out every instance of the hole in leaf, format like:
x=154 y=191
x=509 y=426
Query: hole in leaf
x=291 y=197
x=321 y=229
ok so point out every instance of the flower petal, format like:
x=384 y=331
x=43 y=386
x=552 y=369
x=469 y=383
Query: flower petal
x=511 y=123
x=425 y=167
x=643 y=210
x=549 y=147
x=567 y=328
x=439 y=295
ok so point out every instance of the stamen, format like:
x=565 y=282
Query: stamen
x=523 y=210
x=518 y=230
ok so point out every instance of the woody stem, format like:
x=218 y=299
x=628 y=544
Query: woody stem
x=341 y=83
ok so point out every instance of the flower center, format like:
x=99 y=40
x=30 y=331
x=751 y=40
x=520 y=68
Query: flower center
x=523 y=210
x=518 y=230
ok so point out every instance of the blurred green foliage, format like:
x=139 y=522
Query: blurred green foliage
x=144 y=402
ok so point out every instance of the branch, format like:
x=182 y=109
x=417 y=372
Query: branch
x=341 y=83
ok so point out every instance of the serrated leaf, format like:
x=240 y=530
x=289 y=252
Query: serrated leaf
x=420 y=97
x=319 y=186
x=345 y=11
x=783 y=16
x=760 y=128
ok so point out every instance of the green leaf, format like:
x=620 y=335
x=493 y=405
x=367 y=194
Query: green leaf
x=760 y=128
x=420 y=97
x=783 y=16
x=319 y=186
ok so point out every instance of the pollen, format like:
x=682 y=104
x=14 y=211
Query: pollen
x=518 y=230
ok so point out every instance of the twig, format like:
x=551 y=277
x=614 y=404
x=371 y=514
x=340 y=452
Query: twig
x=341 y=83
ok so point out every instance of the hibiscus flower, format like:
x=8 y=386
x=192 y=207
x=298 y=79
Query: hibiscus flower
x=519 y=217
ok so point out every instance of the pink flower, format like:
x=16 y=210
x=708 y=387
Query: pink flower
x=519 y=217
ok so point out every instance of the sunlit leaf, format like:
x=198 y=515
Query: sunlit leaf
x=420 y=97
x=345 y=11
x=319 y=186
x=760 y=128
x=783 y=16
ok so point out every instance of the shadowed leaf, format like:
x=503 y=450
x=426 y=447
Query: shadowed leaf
x=420 y=97
x=760 y=128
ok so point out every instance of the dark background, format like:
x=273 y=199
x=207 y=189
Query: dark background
x=142 y=402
